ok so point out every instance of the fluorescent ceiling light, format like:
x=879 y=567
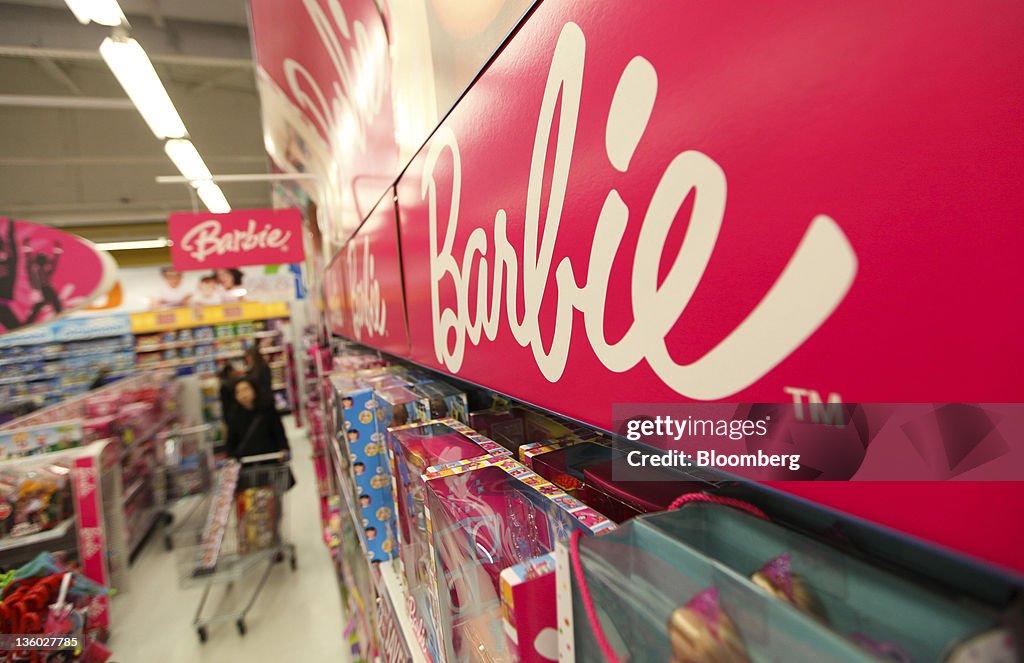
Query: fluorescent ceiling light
x=158 y=243
x=213 y=197
x=104 y=12
x=185 y=156
x=135 y=73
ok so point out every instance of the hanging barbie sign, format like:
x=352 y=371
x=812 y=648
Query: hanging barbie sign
x=46 y=273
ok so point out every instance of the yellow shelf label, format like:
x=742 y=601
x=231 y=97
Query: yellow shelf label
x=201 y=316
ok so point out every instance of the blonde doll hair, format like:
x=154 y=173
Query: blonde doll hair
x=799 y=595
x=696 y=638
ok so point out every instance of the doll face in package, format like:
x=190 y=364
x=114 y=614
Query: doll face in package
x=483 y=522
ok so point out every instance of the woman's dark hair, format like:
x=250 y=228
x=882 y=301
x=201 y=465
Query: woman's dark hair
x=261 y=398
x=226 y=371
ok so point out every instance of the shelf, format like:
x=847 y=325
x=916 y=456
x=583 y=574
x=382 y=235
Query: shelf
x=278 y=364
x=145 y=523
x=156 y=347
x=164 y=420
x=30 y=378
x=66 y=354
x=279 y=386
x=391 y=583
x=170 y=363
x=58 y=532
x=188 y=361
x=135 y=488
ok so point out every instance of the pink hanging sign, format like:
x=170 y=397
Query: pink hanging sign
x=240 y=237
x=46 y=273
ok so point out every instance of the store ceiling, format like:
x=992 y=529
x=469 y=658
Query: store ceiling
x=75 y=153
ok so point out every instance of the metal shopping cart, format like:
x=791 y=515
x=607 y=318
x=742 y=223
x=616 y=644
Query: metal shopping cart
x=185 y=457
x=244 y=531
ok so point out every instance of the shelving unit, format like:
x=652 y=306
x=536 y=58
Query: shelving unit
x=47 y=364
x=46 y=537
x=390 y=583
x=193 y=341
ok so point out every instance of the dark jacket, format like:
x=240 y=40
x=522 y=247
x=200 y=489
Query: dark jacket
x=255 y=432
x=227 y=399
x=260 y=376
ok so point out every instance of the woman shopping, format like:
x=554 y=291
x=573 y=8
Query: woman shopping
x=254 y=427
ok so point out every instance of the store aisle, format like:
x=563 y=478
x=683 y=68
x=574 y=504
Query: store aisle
x=298 y=616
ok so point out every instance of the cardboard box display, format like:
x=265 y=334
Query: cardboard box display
x=414 y=450
x=365 y=445
x=529 y=610
x=483 y=517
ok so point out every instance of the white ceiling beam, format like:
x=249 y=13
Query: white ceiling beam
x=57 y=74
x=77 y=103
x=165 y=58
x=46 y=162
x=53 y=32
x=155 y=212
x=253 y=177
x=212 y=82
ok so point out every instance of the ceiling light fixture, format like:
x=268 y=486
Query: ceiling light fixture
x=186 y=157
x=104 y=12
x=133 y=70
x=159 y=243
x=212 y=197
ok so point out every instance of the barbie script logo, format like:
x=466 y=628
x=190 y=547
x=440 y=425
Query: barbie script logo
x=369 y=309
x=209 y=239
x=807 y=291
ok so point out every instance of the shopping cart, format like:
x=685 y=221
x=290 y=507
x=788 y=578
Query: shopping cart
x=244 y=531
x=185 y=458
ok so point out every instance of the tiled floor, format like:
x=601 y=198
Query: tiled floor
x=297 y=618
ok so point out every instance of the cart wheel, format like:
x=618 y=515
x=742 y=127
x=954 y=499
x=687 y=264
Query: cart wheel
x=294 y=562
x=168 y=542
x=202 y=633
x=241 y=626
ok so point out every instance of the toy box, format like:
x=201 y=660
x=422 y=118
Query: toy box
x=584 y=469
x=528 y=609
x=444 y=400
x=414 y=450
x=258 y=515
x=483 y=517
x=542 y=427
x=33 y=499
x=399 y=406
x=364 y=445
x=504 y=425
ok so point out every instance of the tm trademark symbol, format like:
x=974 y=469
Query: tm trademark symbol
x=829 y=411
